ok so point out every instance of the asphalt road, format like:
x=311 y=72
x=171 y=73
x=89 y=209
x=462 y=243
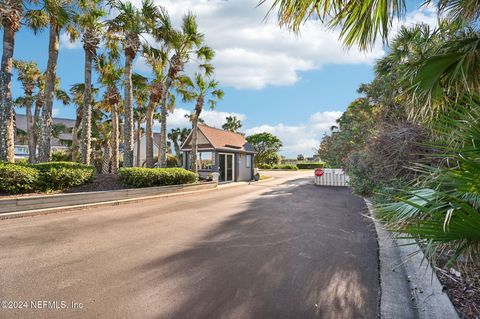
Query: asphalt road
x=278 y=249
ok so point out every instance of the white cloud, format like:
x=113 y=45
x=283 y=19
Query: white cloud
x=301 y=138
x=67 y=44
x=211 y=118
x=55 y=112
x=252 y=52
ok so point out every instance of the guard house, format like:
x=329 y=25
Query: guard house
x=221 y=151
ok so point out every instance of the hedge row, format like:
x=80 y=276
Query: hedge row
x=279 y=166
x=22 y=178
x=310 y=165
x=292 y=166
x=146 y=177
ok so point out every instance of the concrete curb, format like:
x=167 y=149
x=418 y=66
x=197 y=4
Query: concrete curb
x=409 y=286
x=52 y=210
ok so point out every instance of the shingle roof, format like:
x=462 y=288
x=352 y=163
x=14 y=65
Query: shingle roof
x=225 y=140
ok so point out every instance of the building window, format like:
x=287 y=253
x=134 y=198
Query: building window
x=205 y=160
x=19 y=150
x=249 y=161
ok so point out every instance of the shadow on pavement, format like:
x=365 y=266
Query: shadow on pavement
x=295 y=252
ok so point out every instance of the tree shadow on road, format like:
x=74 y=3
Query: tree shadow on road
x=294 y=252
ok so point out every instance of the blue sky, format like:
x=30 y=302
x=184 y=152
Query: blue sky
x=292 y=86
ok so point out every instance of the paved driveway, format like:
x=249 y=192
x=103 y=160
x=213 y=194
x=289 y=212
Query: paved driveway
x=278 y=249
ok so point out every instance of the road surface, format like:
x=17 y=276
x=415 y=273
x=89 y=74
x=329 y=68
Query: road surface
x=277 y=249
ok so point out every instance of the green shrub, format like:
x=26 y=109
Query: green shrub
x=285 y=166
x=61 y=175
x=147 y=177
x=60 y=156
x=17 y=178
x=264 y=166
x=171 y=161
x=310 y=165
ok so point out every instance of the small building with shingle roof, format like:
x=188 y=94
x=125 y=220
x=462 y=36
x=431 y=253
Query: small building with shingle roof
x=224 y=152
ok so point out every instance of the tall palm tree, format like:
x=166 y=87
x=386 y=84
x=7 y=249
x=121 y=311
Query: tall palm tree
x=184 y=44
x=362 y=22
x=90 y=25
x=110 y=76
x=140 y=94
x=199 y=89
x=10 y=18
x=77 y=92
x=178 y=136
x=233 y=124
x=157 y=59
x=130 y=23
x=59 y=13
x=28 y=75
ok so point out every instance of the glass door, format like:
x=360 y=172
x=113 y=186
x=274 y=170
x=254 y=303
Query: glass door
x=226 y=167
x=221 y=167
x=229 y=168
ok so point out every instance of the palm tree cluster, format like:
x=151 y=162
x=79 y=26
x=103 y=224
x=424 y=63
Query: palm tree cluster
x=120 y=105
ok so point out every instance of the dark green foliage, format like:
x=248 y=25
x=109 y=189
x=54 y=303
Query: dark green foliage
x=264 y=166
x=62 y=175
x=267 y=145
x=443 y=209
x=17 y=178
x=61 y=156
x=310 y=165
x=278 y=166
x=23 y=177
x=147 y=177
x=285 y=166
x=171 y=161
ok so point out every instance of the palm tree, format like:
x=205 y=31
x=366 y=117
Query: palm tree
x=140 y=94
x=110 y=76
x=77 y=91
x=89 y=23
x=157 y=59
x=178 y=137
x=184 y=44
x=28 y=75
x=59 y=13
x=130 y=23
x=361 y=22
x=199 y=89
x=233 y=124
x=10 y=18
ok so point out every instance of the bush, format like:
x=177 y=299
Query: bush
x=147 y=177
x=17 y=178
x=171 y=161
x=264 y=166
x=310 y=165
x=285 y=166
x=61 y=175
x=60 y=156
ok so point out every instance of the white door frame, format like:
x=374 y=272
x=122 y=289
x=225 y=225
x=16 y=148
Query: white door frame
x=233 y=166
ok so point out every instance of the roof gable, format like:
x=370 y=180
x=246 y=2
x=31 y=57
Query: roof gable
x=222 y=140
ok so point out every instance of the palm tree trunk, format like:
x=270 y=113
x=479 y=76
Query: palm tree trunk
x=30 y=128
x=106 y=159
x=139 y=144
x=114 y=143
x=128 y=114
x=163 y=125
x=46 y=129
x=87 y=109
x=36 y=122
x=75 y=140
x=149 y=135
x=193 y=164
x=6 y=103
